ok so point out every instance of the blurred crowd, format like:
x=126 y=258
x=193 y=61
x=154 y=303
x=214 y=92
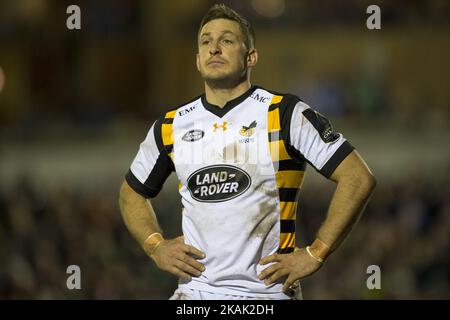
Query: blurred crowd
x=127 y=58
x=42 y=233
x=404 y=231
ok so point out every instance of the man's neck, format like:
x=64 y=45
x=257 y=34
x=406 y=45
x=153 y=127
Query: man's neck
x=220 y=96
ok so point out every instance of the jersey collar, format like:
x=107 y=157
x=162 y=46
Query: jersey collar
x=220 y=112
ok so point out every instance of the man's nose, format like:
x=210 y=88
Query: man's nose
x=214 y=48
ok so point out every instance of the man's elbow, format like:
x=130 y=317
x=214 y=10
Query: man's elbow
x=367 y=181
x=360 y=178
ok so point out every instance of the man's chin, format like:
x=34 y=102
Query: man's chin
x=215 y=76
x=222 y=81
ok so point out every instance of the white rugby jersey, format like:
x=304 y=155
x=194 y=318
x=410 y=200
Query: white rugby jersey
x=240 y=169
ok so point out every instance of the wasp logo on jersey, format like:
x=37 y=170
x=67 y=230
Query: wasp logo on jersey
x=218 y=183
x=248 y=131
x=193 y=135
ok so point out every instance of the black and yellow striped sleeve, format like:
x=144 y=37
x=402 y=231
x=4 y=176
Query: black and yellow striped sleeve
x=289 y=174
x=310 y=137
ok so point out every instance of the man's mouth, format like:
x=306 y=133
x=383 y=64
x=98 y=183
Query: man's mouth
x=215 y=62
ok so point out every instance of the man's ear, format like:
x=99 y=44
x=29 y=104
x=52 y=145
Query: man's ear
x=197 y=62
x=252 y=57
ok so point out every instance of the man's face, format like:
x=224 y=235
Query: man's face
x=222 y=56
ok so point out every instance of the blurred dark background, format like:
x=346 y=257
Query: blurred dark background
x=76 y=104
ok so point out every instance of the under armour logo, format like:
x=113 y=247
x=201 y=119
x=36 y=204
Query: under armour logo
x=223 y=126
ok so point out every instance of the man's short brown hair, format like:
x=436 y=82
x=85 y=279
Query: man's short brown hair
x=221 y=11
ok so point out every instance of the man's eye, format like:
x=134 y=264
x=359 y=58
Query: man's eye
x=227 y=41
x=205 y=41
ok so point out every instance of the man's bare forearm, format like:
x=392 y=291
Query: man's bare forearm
x=349 y=200
x=137 y=213
x=355 y=184
x=173 y=256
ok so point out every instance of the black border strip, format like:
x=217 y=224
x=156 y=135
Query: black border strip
x=275 y=105
x=157 y=131
x=288 y=194
x=284 y=165
x=274 y=136
x=344 y=150
x=140 y=188
x=231 y=309
x=286 y=250
x=287 y=226
x=169 y=148
x=161 y=170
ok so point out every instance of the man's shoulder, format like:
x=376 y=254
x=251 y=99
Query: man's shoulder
x=183 y=108
x=283 y=101
x=284 y=97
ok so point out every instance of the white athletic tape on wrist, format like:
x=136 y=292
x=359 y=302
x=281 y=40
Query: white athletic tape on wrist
x=308 y=249
x=157 y=243
x=152 y=235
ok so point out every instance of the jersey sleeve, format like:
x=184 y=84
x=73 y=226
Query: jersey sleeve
x=152 y=164
x=310 y=137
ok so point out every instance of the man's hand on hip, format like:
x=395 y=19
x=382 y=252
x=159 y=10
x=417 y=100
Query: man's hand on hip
x=175 y=256
x=293 y=266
